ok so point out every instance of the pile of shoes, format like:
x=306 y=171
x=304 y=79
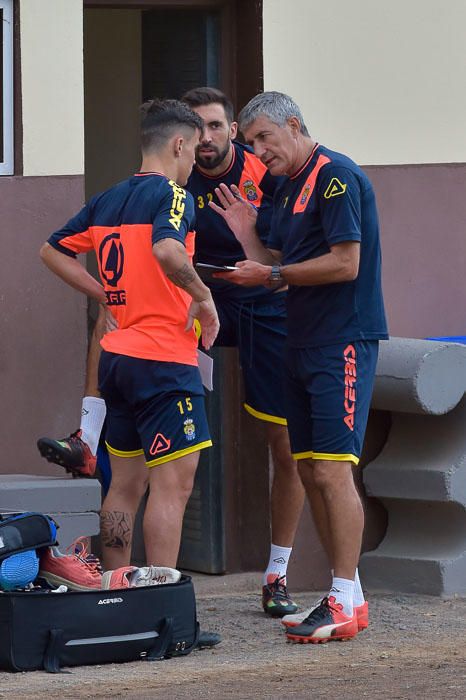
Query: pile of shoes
x=81 y=571
x=30 y=559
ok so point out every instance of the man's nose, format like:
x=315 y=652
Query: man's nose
x=259 y=149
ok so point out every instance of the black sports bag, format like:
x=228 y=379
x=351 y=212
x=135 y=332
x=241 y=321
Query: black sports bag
x=20 y=533
x=42 y=629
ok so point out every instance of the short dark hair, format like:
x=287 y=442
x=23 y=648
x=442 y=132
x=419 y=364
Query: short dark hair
x=198 y=97
x=161 y=118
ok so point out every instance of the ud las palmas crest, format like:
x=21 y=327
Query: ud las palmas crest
x=189 y=429
x=250 y=191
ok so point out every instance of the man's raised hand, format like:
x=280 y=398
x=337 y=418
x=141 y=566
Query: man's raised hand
x=239 y=214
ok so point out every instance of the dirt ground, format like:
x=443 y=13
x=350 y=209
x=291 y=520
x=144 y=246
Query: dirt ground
x=415 y=647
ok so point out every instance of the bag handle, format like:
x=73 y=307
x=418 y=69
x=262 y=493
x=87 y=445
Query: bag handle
x=163 y=641
x=159 y=651
x=183 y=650
x=51 y=660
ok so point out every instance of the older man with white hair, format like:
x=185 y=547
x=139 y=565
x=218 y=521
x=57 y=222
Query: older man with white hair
x=324 y=244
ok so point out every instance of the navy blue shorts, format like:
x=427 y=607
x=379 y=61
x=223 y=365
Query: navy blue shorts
x=328 y=394
x=153 y=408
x=258 y=330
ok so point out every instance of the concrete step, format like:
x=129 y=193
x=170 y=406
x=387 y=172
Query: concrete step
x=48 y=494
x=73 y=503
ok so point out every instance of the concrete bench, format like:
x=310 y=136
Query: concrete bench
x=73 y=503
x=420 y=474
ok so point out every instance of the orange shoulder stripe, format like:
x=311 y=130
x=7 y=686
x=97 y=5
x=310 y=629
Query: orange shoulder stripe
x=253 y=172
x=308 y=187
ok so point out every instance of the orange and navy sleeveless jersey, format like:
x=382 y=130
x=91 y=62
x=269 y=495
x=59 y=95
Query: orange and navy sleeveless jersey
x=215 y=242
x=121 y=225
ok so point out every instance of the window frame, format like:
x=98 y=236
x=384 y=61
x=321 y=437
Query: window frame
x=7 y=164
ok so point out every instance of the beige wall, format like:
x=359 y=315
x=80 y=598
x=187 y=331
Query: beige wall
x=52 y=87
x=382 y=81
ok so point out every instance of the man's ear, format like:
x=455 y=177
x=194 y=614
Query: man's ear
x=294 y=124
x=178 y=143
x=233 y=130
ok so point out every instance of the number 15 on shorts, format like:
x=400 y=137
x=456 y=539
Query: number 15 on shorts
x=185 y=405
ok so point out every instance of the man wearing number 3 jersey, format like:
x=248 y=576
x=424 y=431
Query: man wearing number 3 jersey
x=251 y=319
x=141 y=231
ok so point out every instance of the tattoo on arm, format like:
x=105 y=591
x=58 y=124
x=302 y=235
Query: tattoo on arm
x=182 y=277
x=116 y=529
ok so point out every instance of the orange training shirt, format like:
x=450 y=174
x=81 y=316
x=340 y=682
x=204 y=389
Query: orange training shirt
x=121 y=225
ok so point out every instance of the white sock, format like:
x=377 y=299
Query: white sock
x=278 y=562
x=343 y=591
x=358 y=592
x=92 y=419
x=358 y=596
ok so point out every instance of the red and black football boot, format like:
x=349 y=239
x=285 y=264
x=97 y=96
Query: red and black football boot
x=71 y=453
x=326 y=622
x=362 y=615
x=275 y=599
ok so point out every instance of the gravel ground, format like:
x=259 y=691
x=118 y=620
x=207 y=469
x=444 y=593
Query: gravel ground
x=415 y=647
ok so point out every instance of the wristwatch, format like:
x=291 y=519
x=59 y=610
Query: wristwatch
x=276 y=274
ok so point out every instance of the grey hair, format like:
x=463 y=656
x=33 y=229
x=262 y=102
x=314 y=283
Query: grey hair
x=276 y=106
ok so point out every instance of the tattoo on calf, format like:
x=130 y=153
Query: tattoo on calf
x=182 y=277
x=116 y=529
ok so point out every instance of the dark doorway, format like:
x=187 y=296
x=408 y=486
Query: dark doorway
x=180 y=50
x=134 y=51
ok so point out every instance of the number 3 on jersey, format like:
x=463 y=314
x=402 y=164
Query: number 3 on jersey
x=187 y=406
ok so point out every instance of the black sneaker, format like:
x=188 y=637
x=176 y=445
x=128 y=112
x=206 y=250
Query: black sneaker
x=275 y=599
x=71 y=453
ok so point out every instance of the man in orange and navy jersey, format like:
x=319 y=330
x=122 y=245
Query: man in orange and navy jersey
x=324 y=243
x=141 y=231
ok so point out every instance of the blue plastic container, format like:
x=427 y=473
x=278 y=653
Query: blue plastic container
x=451 y=339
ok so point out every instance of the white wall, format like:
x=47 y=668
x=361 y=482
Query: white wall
x=382 y=80
x=52 y=86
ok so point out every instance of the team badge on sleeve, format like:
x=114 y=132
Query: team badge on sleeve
x=335 y=188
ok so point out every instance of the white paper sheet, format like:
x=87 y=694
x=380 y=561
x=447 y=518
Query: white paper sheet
x=206 y=368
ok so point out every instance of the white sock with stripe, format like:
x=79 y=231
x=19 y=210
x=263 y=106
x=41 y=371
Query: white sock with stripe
x=343 y=591
x=92 y=419
x=278 y=563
